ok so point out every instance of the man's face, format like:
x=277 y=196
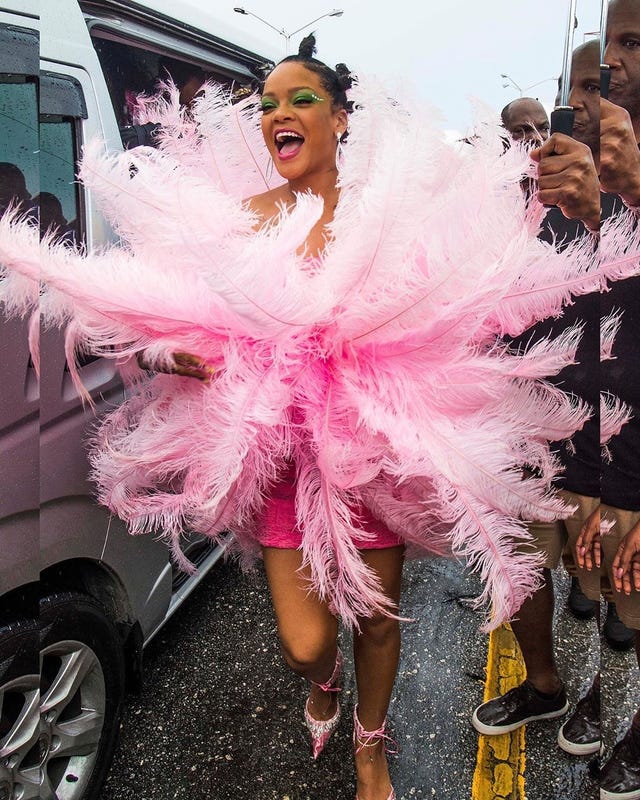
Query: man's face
x=585 y=95
x=623 y=54
x=528 y=122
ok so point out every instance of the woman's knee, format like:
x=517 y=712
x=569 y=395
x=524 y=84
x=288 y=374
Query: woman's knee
x=306 y=654
x=379 y=629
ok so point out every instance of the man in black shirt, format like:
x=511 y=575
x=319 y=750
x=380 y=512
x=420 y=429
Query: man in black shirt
x=570 y=184
x=566 y=180
x=618 y=552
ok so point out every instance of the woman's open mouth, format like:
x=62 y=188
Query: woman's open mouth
x=288 y=144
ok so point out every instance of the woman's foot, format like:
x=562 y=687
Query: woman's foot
x=322 y=711
x=372 y=769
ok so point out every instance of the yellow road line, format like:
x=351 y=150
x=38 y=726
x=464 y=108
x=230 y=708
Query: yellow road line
x=500 y=763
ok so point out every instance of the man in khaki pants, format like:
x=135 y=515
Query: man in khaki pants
x=613 y=558
x=570 y=184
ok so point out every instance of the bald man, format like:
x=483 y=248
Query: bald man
x=526 y=121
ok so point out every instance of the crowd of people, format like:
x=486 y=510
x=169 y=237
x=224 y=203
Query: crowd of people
x=588 y=181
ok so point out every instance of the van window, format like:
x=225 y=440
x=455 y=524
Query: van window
x=19 y=166
x=38 y=152
x=130 y=69
x=19 y=169
x=61 y=108
x=19 y=186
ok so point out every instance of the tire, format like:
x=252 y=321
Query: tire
x=19 y=699
x=82 y=691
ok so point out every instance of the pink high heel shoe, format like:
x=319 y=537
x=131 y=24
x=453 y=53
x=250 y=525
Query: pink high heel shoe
x=362 y=739
x=321 y=729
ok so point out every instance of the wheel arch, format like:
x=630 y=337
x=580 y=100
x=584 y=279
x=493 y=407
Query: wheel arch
x=101 y=583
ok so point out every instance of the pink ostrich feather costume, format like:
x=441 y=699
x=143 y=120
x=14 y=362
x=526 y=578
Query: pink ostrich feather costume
x=374 y=376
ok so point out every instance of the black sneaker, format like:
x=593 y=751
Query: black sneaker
x=580 y=605
x=620 y=776
x=580 y=734
x=616 y=633
x=517 y=707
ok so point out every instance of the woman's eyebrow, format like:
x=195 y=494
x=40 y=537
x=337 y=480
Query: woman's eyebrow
x=291 y=91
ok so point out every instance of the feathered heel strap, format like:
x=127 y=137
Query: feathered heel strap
x=332 y=684
x=363 y=738
x=321 y=729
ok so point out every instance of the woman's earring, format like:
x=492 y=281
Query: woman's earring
x=269 y=170
x=339 y=150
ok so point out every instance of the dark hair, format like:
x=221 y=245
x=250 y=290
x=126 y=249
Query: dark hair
x=334 y=81
x=180 y=71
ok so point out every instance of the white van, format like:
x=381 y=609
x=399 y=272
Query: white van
x=70 y=71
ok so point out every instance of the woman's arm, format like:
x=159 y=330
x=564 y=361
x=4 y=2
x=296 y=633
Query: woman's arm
x=187 y=365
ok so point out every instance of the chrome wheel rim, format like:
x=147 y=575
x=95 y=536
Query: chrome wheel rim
x=19 y=735
x=72 y=711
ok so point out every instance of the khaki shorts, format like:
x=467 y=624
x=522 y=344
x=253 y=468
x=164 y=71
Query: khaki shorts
x=627 y=606
x=553 y=540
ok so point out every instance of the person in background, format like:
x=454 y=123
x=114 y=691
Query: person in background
x=574 y=193
x=188 y=78
x=616 y=554
x=13 y=190
x=52 y=219
x=526 y=120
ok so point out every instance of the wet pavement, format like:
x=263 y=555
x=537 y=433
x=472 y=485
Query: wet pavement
x=220 y=714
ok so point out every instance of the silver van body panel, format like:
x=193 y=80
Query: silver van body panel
x=48 y=517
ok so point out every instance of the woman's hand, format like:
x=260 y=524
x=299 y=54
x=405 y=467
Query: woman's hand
x=185 y=364
x=191 y=367
x=626 y=564
x=588 y=542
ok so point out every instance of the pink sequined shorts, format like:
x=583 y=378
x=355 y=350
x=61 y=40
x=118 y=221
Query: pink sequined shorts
x=279 y=527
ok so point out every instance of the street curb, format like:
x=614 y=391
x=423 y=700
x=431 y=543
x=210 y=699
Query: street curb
x=500 y=763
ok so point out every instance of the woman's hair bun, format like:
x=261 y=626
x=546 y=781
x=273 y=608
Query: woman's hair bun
x=307 y=48
x=344 y=76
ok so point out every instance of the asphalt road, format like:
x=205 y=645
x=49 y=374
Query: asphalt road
x=220 y=715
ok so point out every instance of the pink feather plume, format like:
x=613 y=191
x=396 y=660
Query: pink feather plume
x=376 y=369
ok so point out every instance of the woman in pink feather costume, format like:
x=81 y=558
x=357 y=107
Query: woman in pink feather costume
x=356 y=398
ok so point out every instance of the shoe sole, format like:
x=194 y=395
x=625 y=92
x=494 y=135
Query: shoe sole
x=620 y=646
x=634 y=794
x=576 y=749
x=582 y=615
x=496 y=730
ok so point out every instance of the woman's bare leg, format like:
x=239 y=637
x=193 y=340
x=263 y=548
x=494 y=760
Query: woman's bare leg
x=308 y=631
x=376 y=652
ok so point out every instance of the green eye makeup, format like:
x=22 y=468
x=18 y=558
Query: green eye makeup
x=307 y=96
x=302 y=96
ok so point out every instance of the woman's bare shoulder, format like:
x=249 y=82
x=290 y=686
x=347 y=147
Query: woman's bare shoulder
x=266 y=205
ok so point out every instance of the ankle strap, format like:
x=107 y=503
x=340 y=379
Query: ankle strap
x=330 y=686
x=362 y=738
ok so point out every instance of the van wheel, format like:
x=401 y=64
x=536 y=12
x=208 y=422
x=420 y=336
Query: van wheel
x=19 y=698
x=81 y=695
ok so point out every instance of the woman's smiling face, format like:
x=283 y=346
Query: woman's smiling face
x=299 y=123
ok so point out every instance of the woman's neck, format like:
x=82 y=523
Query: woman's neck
x=322 y=184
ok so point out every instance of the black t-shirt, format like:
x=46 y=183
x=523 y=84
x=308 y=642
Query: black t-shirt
x=620 y=481
x=580 y=457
